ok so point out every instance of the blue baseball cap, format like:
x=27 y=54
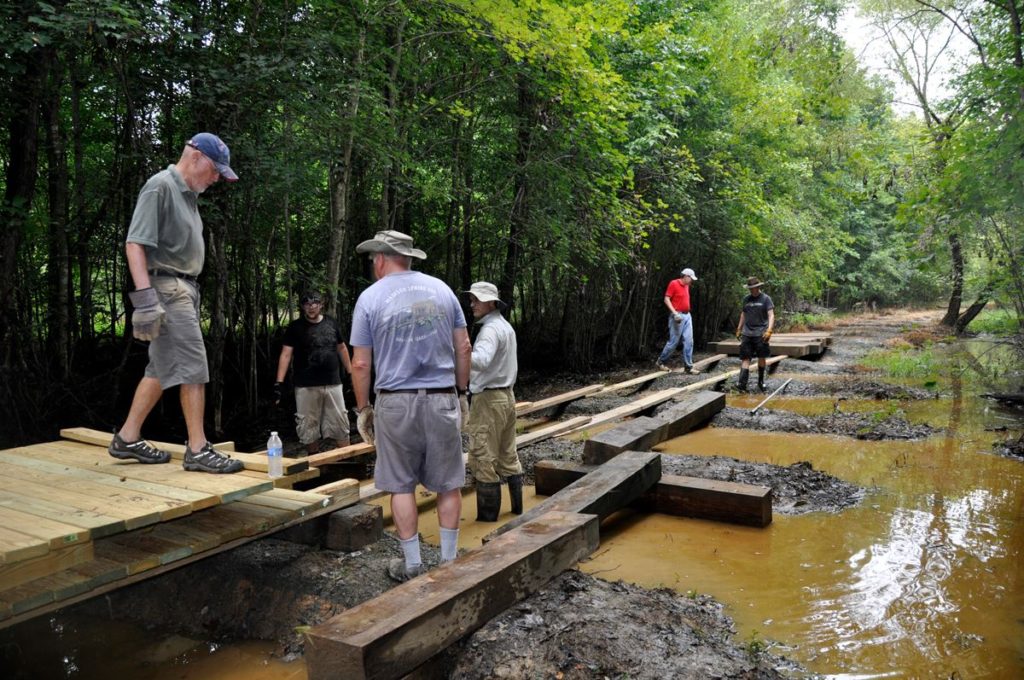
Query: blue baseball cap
x=217 y=151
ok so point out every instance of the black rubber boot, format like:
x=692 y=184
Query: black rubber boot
x=744 y=377
x=760 y=379
x=515 y=492
x=488 y=501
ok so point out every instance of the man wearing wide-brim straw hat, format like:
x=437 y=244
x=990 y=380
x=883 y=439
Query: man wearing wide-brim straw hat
x=411 y=328
x=754 y=331
x=492 y=414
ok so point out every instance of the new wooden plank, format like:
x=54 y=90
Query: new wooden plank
x=699 y=366
x=335 y=455
x=391 y=635
x=103 y=494
x=16 y=546
x=132 y=512
x=136 y=559
x=146 y=542
x=343 y=492
x=629 y=409
x=676 y=495
x=99 y=525
x=299 y=508
x=607 y=489
x=552 y=430
x=225 y=488
x=57 y=534
x=632 y=382
x=641 y=434
x=790 y=349
x=557 y=400
x=256 y=462
x=196 y=499
x=26 y=570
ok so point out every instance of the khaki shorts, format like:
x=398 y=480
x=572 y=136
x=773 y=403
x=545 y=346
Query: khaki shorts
x=178 y=356
x=418 y=442
x=320 y=412
x=492 y=436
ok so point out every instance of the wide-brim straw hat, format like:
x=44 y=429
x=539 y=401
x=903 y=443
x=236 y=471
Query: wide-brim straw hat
x=392 y=243
x=754 y=282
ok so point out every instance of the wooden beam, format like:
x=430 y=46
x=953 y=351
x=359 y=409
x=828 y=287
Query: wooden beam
x=675 y=495
x=605 y=490
x=642 y=404
x=699 y=366
x=252 y=461
x=552 y=430
x=557 y=400
x=795 y=348
x=401 y=629
x=342 y=453
x=632 y=382
x=641 y=434
x=342 y=492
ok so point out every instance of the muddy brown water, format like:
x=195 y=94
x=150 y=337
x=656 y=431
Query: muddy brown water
x=923 y=579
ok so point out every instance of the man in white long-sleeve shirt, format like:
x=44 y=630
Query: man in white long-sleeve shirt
x=492 y=412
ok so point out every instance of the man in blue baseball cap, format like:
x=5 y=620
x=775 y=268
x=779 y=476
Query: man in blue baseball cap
x=165 y=252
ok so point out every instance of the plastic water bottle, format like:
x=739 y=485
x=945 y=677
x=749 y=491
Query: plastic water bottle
x=275 y=457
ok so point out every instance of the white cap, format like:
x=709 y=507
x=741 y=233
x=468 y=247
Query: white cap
x=273 y=434
x=688 y=272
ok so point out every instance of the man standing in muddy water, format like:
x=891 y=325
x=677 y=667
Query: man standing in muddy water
x=492 y=415
x=411 y=328
x=680 y=325
x=165 y=253
x=757 y=319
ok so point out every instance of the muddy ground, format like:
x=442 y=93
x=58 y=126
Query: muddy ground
x=578 y=626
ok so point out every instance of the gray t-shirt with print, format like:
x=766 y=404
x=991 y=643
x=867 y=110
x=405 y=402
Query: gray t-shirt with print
x=408 y=319
x=166 y=221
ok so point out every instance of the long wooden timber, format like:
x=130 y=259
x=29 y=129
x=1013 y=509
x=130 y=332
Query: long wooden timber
x=559 y=401
x=603 y=491
x=782 y=344
x=643 y=433
x=632 y=382
x=256 y=462
x=699 y=366
x=122 y=559
x=676 y=495
x=395 y=633
x=642 y=404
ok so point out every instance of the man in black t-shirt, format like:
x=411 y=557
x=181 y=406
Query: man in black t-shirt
x=314 y=346
x=754 y=331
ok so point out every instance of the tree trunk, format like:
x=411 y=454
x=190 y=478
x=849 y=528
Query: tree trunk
x=957 y=289
x=57 y=270
x=520 y=188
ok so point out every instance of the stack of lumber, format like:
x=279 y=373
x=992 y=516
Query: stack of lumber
x=75 y=522
x=783 y=344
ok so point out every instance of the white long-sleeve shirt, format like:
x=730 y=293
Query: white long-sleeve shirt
x=494 y=362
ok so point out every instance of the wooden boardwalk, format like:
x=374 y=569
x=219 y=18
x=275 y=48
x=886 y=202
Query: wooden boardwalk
x=75 y=522
x=783 y=344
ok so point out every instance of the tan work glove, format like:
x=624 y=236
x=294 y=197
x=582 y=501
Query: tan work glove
x=464 y=410
x=364 y=423
x=739 y=334
x=767 y=335
x=148 y=314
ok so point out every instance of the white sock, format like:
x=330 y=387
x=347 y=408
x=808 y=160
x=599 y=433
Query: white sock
x=411 y=549
x=449 y=544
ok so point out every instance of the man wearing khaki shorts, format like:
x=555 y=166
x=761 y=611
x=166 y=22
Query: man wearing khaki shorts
x=411 y=328
x=165 y=253
x=492 y=412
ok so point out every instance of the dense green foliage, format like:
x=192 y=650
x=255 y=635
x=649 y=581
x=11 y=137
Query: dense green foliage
x=576 y=153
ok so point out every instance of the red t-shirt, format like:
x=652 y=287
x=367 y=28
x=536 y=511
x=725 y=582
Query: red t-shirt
x=678 y=295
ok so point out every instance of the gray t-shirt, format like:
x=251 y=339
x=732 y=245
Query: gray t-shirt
x=166 y=221
x=755 y=314
x=408 y=319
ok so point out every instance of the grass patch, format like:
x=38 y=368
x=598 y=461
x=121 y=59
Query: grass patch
x=920 y=365
x=1000 y=322
x=802 y=322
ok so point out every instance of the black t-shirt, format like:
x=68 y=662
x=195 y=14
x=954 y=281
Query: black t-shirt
x=315 y=359
x=755 y=314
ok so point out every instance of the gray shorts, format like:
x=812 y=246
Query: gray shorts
x=178 y=356
x=418 y=441
x=320 y=411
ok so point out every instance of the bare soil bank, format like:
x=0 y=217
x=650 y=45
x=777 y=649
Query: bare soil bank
x=578 y=626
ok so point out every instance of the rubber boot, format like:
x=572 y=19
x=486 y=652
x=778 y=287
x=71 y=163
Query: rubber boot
x=744 y=377
x=760 y=378
x=515 y=493
x=488 y=501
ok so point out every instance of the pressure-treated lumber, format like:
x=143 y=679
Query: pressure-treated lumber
x=252 y=461
x=557 y=400
x=335 y=455
x=699 y=366
x=642 y=404
x=552 y=430
x=393 y=634
x=641 y=434
x=606 y=489
x=782 y=344
x=675 y=495
x=632 y=382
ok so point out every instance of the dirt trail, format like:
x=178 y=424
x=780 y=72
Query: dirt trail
x=577 y=627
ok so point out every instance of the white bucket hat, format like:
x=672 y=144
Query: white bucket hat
x=486 y=292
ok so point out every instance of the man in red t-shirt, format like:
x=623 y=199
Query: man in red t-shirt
x=680 y=326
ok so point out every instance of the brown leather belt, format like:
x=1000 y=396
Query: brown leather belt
x=177 y=275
